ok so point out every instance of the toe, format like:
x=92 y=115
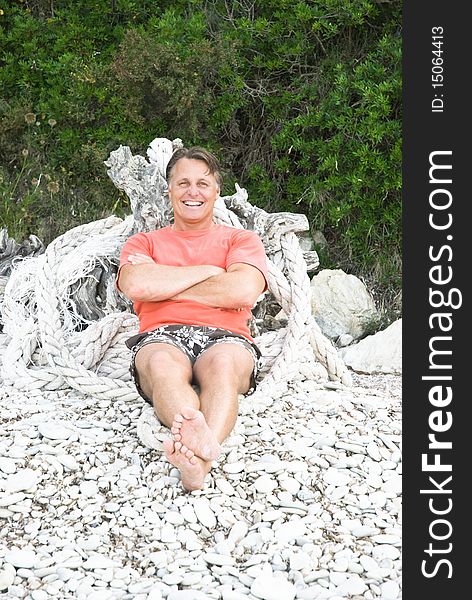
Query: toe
x=168 y=446
x=177 y=446
x=190 y=413
x=178 y=419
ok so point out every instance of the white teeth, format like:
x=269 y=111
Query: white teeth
x=193 y=203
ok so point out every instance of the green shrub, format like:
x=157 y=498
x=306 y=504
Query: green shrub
x=301 y=100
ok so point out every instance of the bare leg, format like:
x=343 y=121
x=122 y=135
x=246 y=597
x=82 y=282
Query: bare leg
x=222 y=372
x=165 y=375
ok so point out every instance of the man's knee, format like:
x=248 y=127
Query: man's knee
x=158 y=364
x=224 y=362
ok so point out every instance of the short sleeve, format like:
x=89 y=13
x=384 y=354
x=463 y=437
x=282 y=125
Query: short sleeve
x=247 y=247
x=136 y=243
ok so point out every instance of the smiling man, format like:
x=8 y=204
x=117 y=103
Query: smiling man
x=193 y=285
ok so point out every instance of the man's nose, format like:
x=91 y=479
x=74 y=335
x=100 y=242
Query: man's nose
x=193 y=190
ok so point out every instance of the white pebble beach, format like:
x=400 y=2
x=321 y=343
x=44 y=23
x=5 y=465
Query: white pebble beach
x=304 y=502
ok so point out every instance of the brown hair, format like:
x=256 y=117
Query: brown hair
x=196 y=153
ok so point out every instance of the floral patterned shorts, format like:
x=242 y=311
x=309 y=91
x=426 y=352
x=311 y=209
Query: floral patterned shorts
x=193 y=341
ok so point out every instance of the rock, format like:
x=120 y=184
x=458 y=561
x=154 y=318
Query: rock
x=390 y=590
x=341 y=304
x=378 y=353
x=7 y=577
x=21 y=559
x=23 y=479
x=264 y=484
x=268 y=587
x=204 y=513
x=55 y=430
x=290 y=531
x=334 y=477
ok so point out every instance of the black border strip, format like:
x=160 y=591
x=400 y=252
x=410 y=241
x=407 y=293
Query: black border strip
x=436 y=393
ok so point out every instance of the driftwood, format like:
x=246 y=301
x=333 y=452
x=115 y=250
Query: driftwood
x=10 y=250
x=144 y=183
x=66 y=322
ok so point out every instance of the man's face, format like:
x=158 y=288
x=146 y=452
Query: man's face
x=193 y=191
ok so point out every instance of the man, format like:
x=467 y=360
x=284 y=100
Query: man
x=193 y=285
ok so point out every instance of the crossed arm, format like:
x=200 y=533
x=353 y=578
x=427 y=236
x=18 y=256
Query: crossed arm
x=145 y=281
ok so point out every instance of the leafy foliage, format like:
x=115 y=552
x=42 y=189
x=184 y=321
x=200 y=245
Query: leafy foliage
x=300 y=99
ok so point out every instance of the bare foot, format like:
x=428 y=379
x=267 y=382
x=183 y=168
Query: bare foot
x=190 y=428
x=193 y=470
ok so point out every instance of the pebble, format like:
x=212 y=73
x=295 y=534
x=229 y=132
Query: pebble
x=54 y=430
x=390 y=590
x=311 y=511
x=204 y=513
x=236 y=467
x=25 y=559
x=268 y=587
x=7 y=465
x=24 y=479
x=290 y=531
x=213 y=558
x=264 y=484
x=7 y=577
x=334 y=477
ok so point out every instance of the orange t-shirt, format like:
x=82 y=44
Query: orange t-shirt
x=222 y=247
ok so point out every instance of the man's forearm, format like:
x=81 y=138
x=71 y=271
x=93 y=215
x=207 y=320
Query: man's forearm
x=154 y=283
x=231 y=290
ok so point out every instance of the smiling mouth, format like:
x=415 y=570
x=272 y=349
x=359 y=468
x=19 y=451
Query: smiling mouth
x=192 y=203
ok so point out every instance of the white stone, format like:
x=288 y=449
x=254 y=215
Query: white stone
x=268 y=587
x=68 y=461
x=373 y=451
x=379 y=353
x=351 y=586
x=55 y=430
x=7 y=577
x=99 y=561
x=290 y=531
x=204 y=512
x=188 y=595
x=92 y=542
x=173 y=517
x=238 y=532
x=264 y=484
x=213 y=558
x=392 y=485
x=88 y=489
x=236 y=467
x=364 y=531
x=188 y=513
x=24 y=479
x=341 y=304
x=11 y=499
x=21 y=559
x=390 y=590
x=335 y=477
x=225 y=486
x=7 y=465
x=386 y=551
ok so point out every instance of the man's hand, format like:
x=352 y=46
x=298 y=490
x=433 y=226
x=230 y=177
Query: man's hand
x=144 y=280
x=235 y=289
x=140 y=259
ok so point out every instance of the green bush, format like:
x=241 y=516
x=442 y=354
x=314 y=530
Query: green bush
x=301 y=100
